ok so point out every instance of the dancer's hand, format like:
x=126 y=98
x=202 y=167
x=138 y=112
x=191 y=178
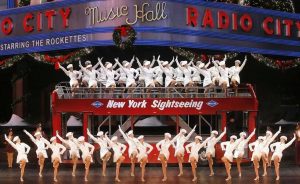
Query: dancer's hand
x=176 y=59
x=158 y=58
x=246 y=58
x=5 y=136
x=279 y=129
x=57 y=132
x=195 y=127
x=117 y=59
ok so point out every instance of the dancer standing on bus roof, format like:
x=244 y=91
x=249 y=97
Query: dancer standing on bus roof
x=224 y=72
x=92 y=75
x=215 y=74
x=257 y=152
x=240 y=150
x=187 y=72
x=105 y=154
x=235 y=73
x=23 y=150
x=144 y=150
x=210 y=149
x=41 y=149
x=148 y=74
x=163 y=148
x=87 y=154
x=196 y=78
x=169 y=72
x=122 y=74
x=131 y=74
x=229 y=147
x=85 y=77
x=193 y=149
x=73 y=75
x=119 y=150
x=74 y=150
x=111 y=76
x=207 y=82
x=132 y=151
x=57 y=151
x=179 y=147
x=269 y=138
x=179 y=74
x=277 y=153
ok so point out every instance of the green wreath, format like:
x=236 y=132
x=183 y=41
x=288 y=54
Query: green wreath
x=124 y=31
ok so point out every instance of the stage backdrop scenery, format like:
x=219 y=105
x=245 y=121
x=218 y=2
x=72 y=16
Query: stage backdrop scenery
x=182 y=23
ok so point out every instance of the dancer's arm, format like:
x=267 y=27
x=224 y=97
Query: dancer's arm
x=138 y=62
x=275 y=135
x=191 y=133
x=244 y=63
x=30 y=136
x=46 y=142
x=27 y=148
x=153 y=62
x=123 y=147
x=158 y=145
x=61 y=139
x=224 y=145
x=150 y=148
x=91 y=147
x=251 y=145
x=221 y=135
x=123 y=134
x=10 y=142
x=110 y=143
x=132 y=60
x=291 y=142
x=272 y=146
x=250 y=136
x=91 y=136
x=178 y=65
x=191 y=62
x=63 y=69
x=207 y=65
x=172 y=61
x=62 y=148
x=205 y=142
x=187 y=147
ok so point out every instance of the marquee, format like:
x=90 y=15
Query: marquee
x=183 y=23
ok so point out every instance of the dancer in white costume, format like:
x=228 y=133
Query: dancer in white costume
x=229 y=147
x=215 y=74
x=87 y=154
x=131 y=75
x=74 y=150
x=196 y=78
x=240 y=150
x=85 y=77
x=132 y=151
x=23 y=150
x=144 y=150
x=73 y=75
x=105 y=154
x=210 y=148
x=277 y=152
x=111 y=76
x=235 y=73
x=257 y=152
x=178 y=74
x=207 y=82
x=92 y=75
x=187 y=72
x=167 y=69
x=193 y=149
x=179 y=147
x=57 y=151
x=269 y=138
x=41 y=149
x=122 y=74
x=119 y=150
x=224 y=72
x=163 y=148
x=148 y=74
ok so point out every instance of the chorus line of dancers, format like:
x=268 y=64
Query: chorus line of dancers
x=185 y=74
x=138 y=151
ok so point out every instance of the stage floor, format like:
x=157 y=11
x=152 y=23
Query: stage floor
x=289 y=174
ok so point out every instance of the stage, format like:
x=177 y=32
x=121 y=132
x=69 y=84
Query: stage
x=289 y=174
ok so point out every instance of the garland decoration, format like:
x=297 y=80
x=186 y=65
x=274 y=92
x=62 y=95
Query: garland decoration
x=8 y=62
x=24 y=3
x=63 y=59
x=202 y=56
x=277 y=64
x=124 y=36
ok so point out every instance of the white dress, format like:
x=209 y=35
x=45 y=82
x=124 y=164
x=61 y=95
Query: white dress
x=169 y=72
x=180 y=140
x=229 y=148
x=22 y=149
x=279 y=148
x=110 y=77
x=74 y=150
x=93 y=74
x=118 y=149
x=57 y=150
x=195 y=148
x=41 y=148
x=103 y=147
x=122 y=75
x=268 y=141
x=102 y=76
x=207 y=77
x=163 y=148
x=187 y=72
x=235 y=72
x=240 y=149
x=86 y=149
x=224 y=72
x=196 y=75
x=210 y=147
x=214 y=73
x=130 y=76
x=132 y=143
x=142 y=147
x=74 y=76
x=179 y=75
x=257 y=151
x=158 y=74
x=148 y=76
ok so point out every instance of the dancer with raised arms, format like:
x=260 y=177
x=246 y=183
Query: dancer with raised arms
x=74 y=76
x=148 y=74
x=193 y=149
x=74 y=150
x=41 y=149
x=105 y=154
x=164 y=153
x=240 y=150
x=187 y=72
x=144 y=150
x=210 y=148
x=258 y=145
x=57 y=151
x=207 y=82
x=92 y=75
x=23 y=150
x=235 y=73
x=119 y=150
x=224 y=73
x=277 y=148
x=132 y=151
